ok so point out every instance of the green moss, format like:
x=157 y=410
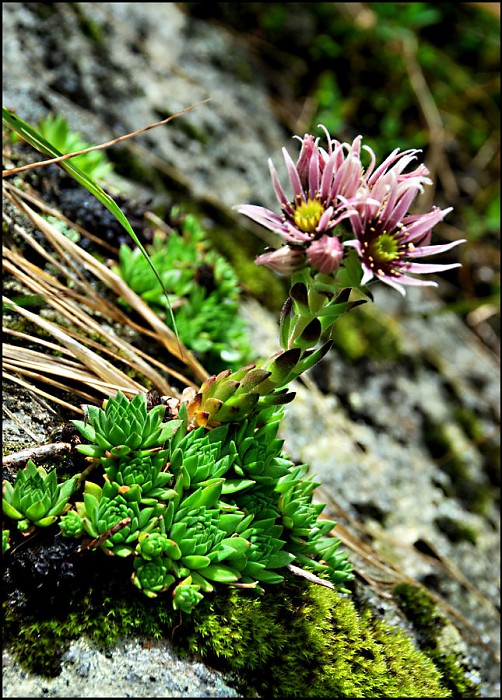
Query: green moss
x=308 y=641
x=430 y=626
x=298 y=640
x=39 y=634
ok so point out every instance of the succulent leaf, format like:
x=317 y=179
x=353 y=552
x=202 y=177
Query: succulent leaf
x=285 y=321
x=196 y=561
x=203 y=583
x=86 y=430
x=253 y=379
x=10 y=511
x=45 y=521
x=5 y=541
x=37 y=510
x=299 y=295
x=309 y=335
x=221 y=574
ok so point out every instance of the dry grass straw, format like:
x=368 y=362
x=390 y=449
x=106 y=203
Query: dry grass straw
x=81 y=321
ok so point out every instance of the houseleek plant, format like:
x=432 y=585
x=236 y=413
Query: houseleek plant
x=208 y=497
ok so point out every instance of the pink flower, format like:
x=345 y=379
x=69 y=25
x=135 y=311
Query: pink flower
x=323 y=184
x=331 y=188
x=388 y=241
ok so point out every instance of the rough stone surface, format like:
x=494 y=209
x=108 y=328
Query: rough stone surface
x=133 y=669
x=149 y=63
x=364 y=434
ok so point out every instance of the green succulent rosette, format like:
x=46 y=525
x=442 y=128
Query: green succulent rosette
x=306 y=533
x=259 y=452
x=266 y=552
x=71 y=524
x=230 y=397
x=152 y=577
x=201 y=456
x=207 y=319
x=324 y=556
x=186 y=595
x=298 y=514
x=152 y=545
x=260 y=502
x=105 y=510
x=207 y=536
x=122 y=426
x=36 y=497
x=143 y=469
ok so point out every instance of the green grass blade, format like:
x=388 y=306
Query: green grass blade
x=28 y=134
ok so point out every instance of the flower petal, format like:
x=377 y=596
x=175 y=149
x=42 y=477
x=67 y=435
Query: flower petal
x=420 y=268
x=279 y=192
x=294 y=177
x=418 y=226
x=263 y=216
x=422 y=251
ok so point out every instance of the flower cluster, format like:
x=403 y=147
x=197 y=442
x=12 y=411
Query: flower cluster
x=336 y=203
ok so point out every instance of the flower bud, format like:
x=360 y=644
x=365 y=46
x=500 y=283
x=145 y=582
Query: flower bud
x=284 y=260
x=325 y=254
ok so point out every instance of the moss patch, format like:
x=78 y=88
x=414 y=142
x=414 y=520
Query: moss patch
x=55 y=607
x=429 y=624
x=298 y=640
x=308 y=641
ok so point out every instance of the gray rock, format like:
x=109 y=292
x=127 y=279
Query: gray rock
x=130 y=669
x=146 y=64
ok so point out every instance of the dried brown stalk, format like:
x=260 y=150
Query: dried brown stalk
x=82 y=323
x=113 y=281
x=54 y=450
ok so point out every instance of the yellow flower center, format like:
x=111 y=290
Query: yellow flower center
x=308 y=214
x=385 y=248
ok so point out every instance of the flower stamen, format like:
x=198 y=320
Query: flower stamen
x=307 y=214
x=385 y=248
